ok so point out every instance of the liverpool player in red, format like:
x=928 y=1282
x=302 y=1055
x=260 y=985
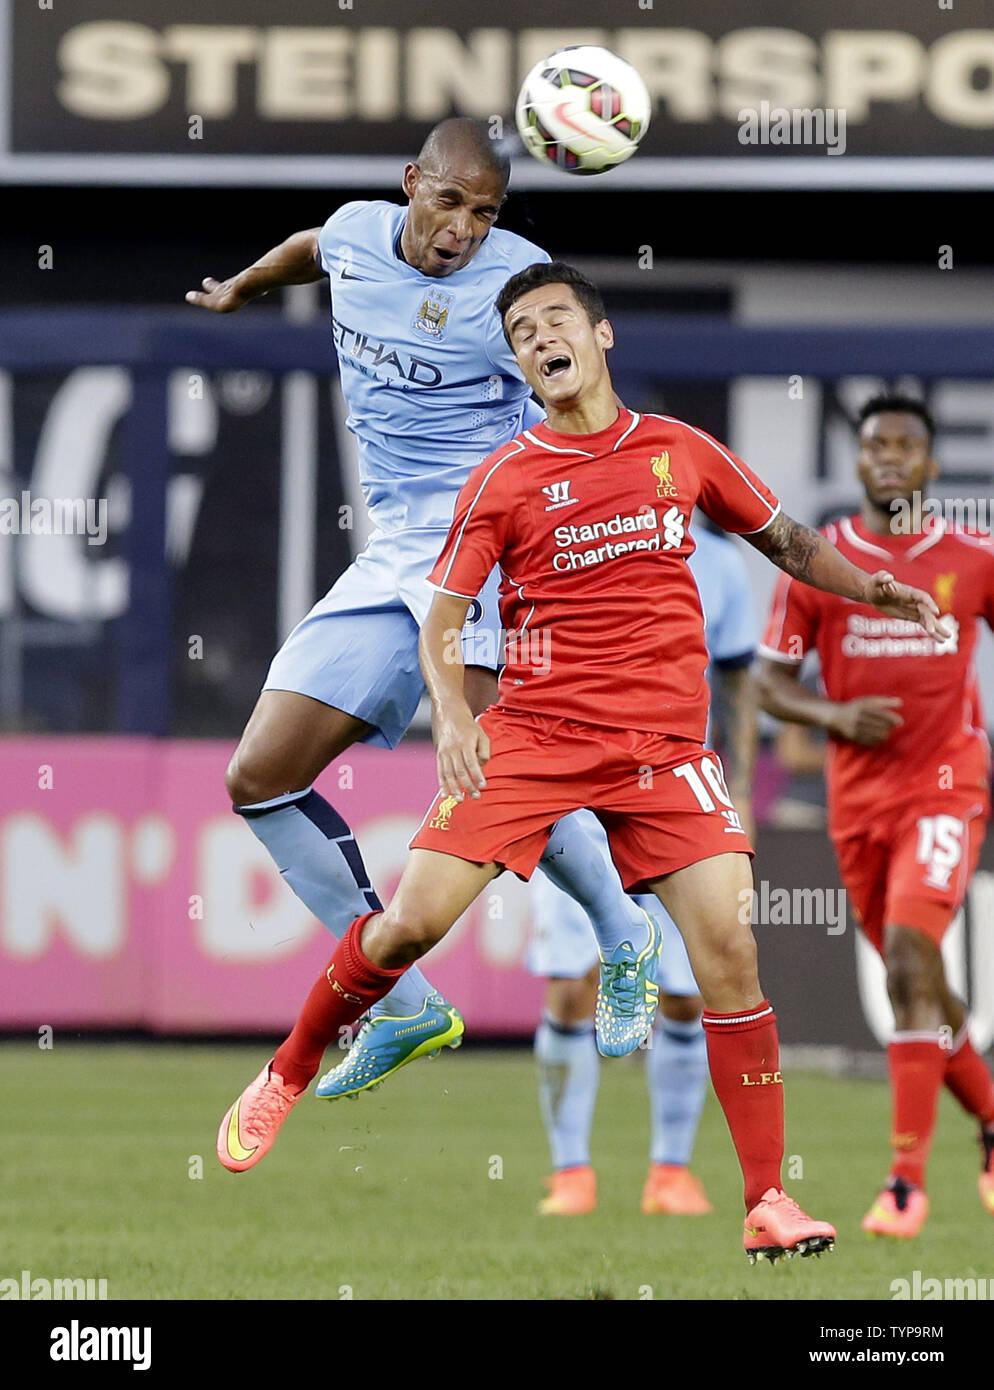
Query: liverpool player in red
x=908 y=775
x=587 y=517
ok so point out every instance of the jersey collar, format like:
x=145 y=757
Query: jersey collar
x=603 y=442
x=907 y=543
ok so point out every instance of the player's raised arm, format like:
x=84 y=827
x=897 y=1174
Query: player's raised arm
x=461 y=746
x=804 y=554
x=295 y=261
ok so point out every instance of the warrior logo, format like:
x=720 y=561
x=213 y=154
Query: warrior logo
x=558 y=495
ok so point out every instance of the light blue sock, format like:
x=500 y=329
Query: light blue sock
x=577 y=860
x=568 y=1076
x=316 y=853
x=676 y=1071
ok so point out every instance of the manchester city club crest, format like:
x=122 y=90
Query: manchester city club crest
x=433 y=313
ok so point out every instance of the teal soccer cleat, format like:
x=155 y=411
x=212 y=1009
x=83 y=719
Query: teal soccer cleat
x=385 y=1044
x=627 y=995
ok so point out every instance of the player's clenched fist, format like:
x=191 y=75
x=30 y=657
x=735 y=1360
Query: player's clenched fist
x=461 y=749
x=868 y=720
x=223 y=296
x=901 y=601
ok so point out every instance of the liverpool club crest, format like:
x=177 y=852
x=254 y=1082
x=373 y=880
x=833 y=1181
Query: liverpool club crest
x=665 y=486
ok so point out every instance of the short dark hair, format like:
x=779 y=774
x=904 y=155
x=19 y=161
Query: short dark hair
x=461 y=137
x=901 y=405
x=533 y=277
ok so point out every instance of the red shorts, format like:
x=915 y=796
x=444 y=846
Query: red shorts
x=663 y=801
x=914 y=867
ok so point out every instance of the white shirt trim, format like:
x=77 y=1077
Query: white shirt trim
x=453 y=593
x=554 y=448
x=633 y=425
x=848 y=531
x=760 y=529
x=927 y=542
x=774 y=655
x=516 y=447
x=671 y=419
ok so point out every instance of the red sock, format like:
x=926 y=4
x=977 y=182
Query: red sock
x=917 y=1068
x=345 y=989
x=969 y=1080
x=744 y=1057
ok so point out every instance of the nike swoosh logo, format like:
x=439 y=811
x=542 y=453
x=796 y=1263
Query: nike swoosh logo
x=561 y=115
x=235 y=1146
x=347 y=276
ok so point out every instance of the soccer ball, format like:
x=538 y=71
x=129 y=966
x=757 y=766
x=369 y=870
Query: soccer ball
x=583 y=109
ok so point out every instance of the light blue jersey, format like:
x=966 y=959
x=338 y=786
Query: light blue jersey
x=563 y=942
x=432 y=388
x=430 y=383
x=722 y=581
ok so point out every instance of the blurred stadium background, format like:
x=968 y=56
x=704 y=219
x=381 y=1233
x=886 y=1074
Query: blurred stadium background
x=761 y=292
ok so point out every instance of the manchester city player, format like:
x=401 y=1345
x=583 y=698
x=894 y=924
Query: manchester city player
x=432 y=388
x=564 y=951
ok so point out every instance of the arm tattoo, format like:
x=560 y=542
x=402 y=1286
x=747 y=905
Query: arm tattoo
x=788 y=544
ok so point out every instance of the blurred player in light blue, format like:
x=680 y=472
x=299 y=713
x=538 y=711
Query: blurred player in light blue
x=432 y=388
x=564 y=950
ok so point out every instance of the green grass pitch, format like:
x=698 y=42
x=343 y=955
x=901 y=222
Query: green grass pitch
x=427 y=1188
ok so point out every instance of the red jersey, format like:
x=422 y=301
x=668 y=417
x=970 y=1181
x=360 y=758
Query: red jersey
x=602 y=616
x=942 y=741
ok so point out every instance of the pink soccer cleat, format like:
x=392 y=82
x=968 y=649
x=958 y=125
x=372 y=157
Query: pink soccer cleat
x=572 y=1192
x=674 y=1191
x=985 y=1183
x=250 y=1127
x=900 y=1211
x=777 y=1227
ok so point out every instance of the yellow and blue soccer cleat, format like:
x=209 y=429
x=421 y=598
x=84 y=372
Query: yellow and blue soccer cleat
x=385 y=1044
x=627 y=995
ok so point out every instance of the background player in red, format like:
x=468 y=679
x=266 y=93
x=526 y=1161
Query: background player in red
x=587 y=516
x=908 y=776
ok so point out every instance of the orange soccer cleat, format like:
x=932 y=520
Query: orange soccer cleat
x=985 y=1183
x=900 y=1211
x=250 y=1127
x=777 y=1227
x=572 y=1192
x=672 y=1189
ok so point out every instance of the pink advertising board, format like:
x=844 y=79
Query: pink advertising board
x=131 y=896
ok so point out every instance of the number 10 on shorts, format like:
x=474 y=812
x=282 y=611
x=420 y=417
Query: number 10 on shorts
x=708 y=786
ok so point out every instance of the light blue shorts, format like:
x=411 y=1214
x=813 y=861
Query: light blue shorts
x=563 y=944
x=357 y=649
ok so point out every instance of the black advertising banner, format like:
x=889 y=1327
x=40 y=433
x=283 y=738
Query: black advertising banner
x=346 y=84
